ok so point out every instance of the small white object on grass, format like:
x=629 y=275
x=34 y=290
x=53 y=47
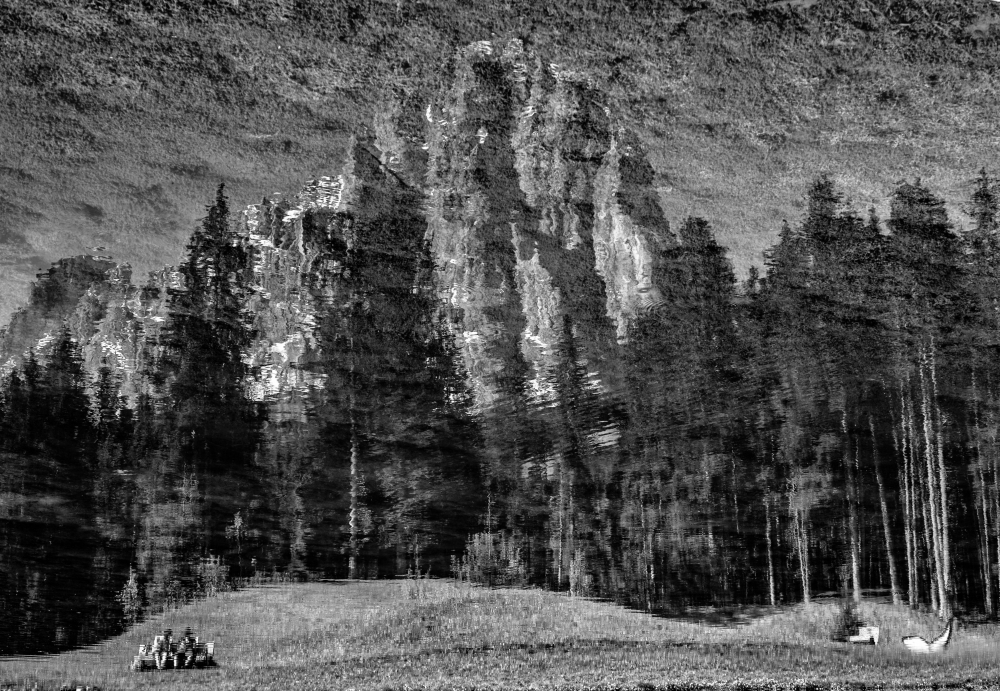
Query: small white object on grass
x=917 y=644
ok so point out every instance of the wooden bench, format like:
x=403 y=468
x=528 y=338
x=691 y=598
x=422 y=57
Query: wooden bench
x=203 y=657
x=867 y=635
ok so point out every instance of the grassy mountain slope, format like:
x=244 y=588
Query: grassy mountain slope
x=118 y=118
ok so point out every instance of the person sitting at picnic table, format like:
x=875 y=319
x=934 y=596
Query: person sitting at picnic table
x=161 y=647
x=185 y=650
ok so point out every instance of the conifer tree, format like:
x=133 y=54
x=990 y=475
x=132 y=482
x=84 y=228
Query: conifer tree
x=14 y=425
x=984 y=207
x=923 y=261
x=203 y=420
x=982 y=262
x=69 y=432
x=823 y=202
x=33 y=404
x=787 y=264
x=706 y=282
x=208 y=327
x=752 y=282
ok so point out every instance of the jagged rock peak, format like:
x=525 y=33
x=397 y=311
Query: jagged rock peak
x=53 y=299
x=541 y=213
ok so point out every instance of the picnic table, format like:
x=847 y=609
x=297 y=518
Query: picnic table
x=203 y=656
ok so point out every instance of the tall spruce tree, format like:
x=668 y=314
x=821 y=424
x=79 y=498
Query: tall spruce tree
x=984 y=207
x=209 y=327
x=924 y=262
x=205 y=424
x=982 y=262
x=787 y=264
x=69 y=432
x=14 y=424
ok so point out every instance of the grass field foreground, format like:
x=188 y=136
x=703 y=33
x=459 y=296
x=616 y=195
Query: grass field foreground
x=436 y=634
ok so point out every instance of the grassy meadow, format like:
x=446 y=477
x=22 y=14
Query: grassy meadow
x=442 y=634
x=118 y=119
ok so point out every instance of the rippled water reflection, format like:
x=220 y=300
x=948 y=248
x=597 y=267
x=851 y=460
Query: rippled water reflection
x=484 y=354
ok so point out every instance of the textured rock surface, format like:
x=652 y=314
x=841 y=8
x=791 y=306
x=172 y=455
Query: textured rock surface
x=541 y=224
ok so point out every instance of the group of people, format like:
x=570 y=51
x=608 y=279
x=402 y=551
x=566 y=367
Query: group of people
x=183 y=650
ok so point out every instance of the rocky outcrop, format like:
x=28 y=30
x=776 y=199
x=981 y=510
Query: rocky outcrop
x=630 y=231
x=285 y=310
x=473 y=206
x=542 y=220
x=74 y=290
x=540 y=237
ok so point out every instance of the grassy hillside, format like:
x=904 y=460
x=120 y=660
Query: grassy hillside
x=119 y=118
x=429 y=634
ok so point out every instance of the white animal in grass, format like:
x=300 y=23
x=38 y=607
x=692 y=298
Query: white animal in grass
x=917 y=644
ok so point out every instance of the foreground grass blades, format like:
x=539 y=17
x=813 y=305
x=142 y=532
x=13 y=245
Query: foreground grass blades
x=430 y=634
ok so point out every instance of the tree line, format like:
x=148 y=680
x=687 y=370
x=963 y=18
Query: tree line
x=829 y=425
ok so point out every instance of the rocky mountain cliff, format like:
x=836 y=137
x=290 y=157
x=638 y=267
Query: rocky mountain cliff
x=521 y=206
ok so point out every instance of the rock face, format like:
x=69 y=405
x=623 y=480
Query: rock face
x=314 y=263
x=77 y=290
x=541 y=220
x=538 y=226
x=114 y=321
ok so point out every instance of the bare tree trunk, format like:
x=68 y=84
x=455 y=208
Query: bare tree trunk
x=984 y=518
x=945 y=538
x=852 y=512
x=559 y=552
x=772 y=592
x=915 y=495
x=660 y=594
x=931 y=560
x=930 y=456
x=803 y=539
x=893 y=578
x=902 y=440
x=800 y=531
x=911 y=499
x=571 y=546
x=974 y=432
x=984 y=532
x=995 y=494
x=352 y=559
x=903 y=472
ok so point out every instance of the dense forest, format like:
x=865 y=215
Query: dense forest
x=507 y=367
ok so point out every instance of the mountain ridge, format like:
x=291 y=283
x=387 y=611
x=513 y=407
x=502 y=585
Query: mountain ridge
x=156 y=100
x=536 y=205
